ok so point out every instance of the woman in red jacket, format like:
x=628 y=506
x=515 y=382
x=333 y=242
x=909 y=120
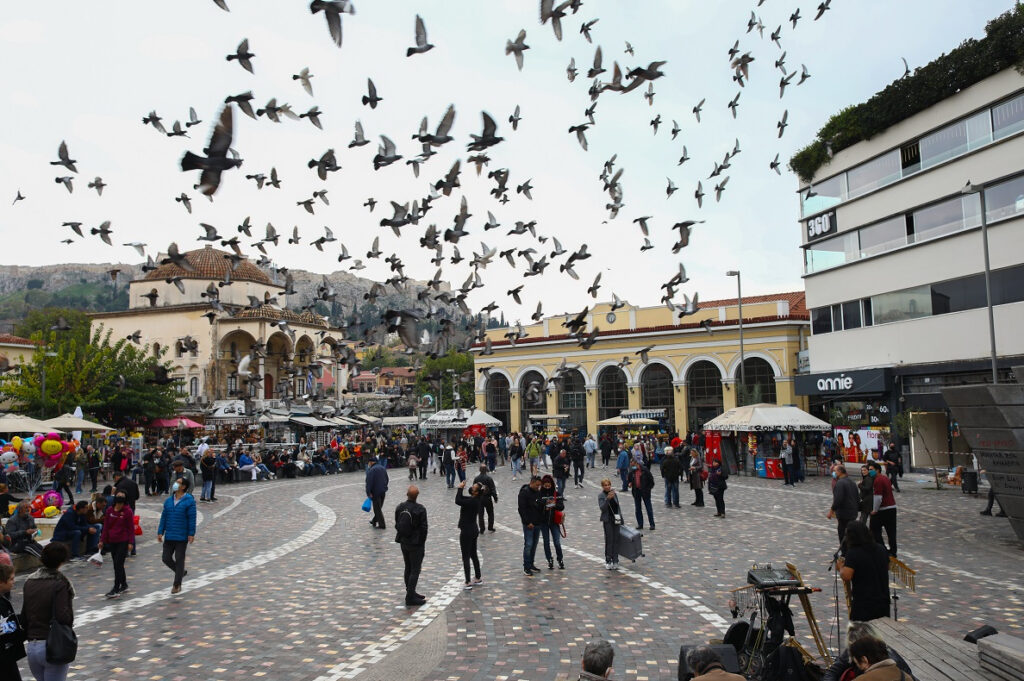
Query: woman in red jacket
x=118 y=532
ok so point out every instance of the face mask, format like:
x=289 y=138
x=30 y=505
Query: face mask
x=835 y=475
x=119 y=500
x=175 y=487
x=872 y=472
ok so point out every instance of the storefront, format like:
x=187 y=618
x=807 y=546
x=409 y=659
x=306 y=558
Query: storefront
x=859 y=404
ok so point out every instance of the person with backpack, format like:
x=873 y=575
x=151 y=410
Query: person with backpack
x=578 y=456
x=411 y=535
x=488 y=497
x=533 y=454
x=448 y=464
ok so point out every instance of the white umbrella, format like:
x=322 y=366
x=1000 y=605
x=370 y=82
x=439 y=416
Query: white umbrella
x=767 y=418
x=70 y=422
x=16 y=423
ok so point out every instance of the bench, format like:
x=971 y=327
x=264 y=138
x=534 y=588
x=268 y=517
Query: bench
x=933 y=656
x=1003 y=656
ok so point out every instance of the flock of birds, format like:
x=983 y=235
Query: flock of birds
x=532 y=252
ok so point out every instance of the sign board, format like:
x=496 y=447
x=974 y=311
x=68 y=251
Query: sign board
x=820 y=226
x=860 y=381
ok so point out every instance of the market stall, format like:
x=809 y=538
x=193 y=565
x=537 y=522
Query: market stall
x=750 y=437
x=463 y=421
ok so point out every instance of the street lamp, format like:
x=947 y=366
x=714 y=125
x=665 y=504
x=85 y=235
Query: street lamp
x=42 y=404
x=739 y=300
x=979 y=189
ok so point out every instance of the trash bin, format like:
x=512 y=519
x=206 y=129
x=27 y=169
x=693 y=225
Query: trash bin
x=969 y=482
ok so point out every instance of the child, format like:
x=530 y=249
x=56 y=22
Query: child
x=413 y=464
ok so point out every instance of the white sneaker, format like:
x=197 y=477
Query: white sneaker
x=467 y=587
x=608 y=566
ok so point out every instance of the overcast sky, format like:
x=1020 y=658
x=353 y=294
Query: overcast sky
x=88 y=72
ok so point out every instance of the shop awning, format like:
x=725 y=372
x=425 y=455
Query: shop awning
x=548 y=417
x=177 y=422
x=311 y=422
x=365 y=418
x=766 y=418
x=400 y=421
x=621 y=421
x=344 y=422
x=643 y=414
x=459 y=418
x=273 y=418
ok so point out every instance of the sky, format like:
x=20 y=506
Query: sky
x=88 y=73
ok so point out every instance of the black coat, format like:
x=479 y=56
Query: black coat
x=130 y=488
x=12 y=645
x=419 y=523
x=469 y=509
x=491 y=492
x=671 y=468
x=529 y=509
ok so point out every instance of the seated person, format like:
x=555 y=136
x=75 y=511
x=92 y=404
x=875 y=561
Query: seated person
x=261 y=470
x=20 y=531
x=223 y=467
x=245 y=463
x=73 y=526
x=842 y=669
x=870 y=656
x=97 y=509
x=6 y=500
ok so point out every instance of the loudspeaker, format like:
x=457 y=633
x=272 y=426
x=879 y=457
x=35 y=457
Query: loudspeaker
x=726 y=652
x=980 y=633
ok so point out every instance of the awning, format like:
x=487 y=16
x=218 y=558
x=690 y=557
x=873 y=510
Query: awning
x=177 y=422
x=548 y=417
x=620 y=421
x=767 y=418
x=459 y=418
x=273 y=418
x=365 y=418
x=16 y=423
x=72 y=422
x=400 y=421
x=311 y=422
x=344 y=422
x=643 y=414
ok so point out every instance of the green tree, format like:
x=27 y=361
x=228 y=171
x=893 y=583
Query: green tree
x=40 y=321
x=437 y=376
x=113 y=382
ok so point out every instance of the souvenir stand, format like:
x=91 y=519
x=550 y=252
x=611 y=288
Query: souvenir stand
x=745 y=437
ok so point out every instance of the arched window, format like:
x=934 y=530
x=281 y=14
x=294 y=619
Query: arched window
x=572 y=400
x=703 y=394
x=498 y=399
x=656 y=391
x=193 y=386
x=758 y=382
x=530 y=403
x=612 y=395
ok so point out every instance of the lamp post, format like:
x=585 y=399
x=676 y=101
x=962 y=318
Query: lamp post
x=979 y=189
x=42 y=386
x=739 y=300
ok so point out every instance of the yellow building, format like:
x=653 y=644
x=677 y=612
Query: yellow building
x=166 y=316
x=692 y=373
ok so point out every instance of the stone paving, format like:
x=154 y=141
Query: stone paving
x=288 y=581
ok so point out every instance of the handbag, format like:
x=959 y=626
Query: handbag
x=61 y=642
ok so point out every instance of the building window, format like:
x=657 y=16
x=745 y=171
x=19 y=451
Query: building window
x=885 y=236
x=1008 y=117
x=828 y=253
x=1005 y=199
x=572 y=400
x=826 y=194
x=497 y=400
x=956 y=139
x=232 y=386
x=526 y=408
x=612 y=394
x=851 y=315
x=874 y=174
x=656 y=391
x=821 y=320
x=758 y=382
x=948 y=217
x=193 y=386
x=866 y=306
x=900 y=306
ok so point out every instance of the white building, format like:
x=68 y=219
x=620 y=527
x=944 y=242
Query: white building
x=894 y=263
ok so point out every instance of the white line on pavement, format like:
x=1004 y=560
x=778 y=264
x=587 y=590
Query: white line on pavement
x=325 y=520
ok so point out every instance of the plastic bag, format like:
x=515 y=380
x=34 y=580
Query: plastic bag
x=367 y=504
x=96 y=559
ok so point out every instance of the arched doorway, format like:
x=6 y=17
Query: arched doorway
x=759 y=382
x=703 y=394
x=268 y=387
x=498 y=401
x=612 y=395
x=572 y=400
x=537 y=404
x=656 y=392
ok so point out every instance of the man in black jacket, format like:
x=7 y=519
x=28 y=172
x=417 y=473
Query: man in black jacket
x=411 y=534
x=671 y=469
x=530 y=514
x=423 y=455
x=845 y=499
x=578 y=456
x=488 y=497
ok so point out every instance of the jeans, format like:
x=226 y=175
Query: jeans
x=462 y=474
x=486 y=507
x=893 y=478
x=174 y=557
x=207 y=489
x=530 y=537
x=560 y=486
x=641 y=499
x=41 y=669
x=671 y=493
x=413 y=557
x=590 y=459
x=551 y=532
x=611 y=542
x=517 y=467
x=79 y=479
x=719 y=501
x=118 y=554
x=624 y=474
x=467 y=542
x=75 y=539
x=492 y=462
x=577 y=473
x=449 y=474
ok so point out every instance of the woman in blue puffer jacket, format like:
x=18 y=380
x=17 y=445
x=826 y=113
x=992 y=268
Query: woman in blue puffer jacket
x=177 y=529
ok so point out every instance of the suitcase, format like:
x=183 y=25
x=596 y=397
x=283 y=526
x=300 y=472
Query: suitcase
x=631 y=543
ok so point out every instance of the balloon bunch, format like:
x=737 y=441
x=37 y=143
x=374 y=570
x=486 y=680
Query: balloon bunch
x=52 y=450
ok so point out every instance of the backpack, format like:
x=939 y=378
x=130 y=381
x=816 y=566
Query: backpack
x=405 y=528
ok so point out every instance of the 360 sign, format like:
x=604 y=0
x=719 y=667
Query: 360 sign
x=821 y=225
